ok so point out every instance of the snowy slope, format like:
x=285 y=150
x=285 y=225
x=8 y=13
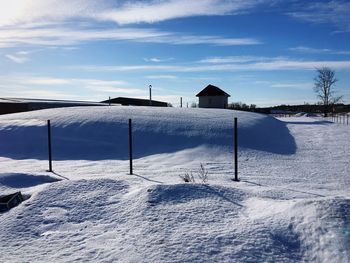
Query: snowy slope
x=102 y=132
x=292 y=205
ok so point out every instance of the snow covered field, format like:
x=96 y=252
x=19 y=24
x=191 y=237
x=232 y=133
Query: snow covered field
x=292 y=204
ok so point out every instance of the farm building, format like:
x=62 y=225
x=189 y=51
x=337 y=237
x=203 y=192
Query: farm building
x=136 y=102
x=13 y=105
x=213 y=97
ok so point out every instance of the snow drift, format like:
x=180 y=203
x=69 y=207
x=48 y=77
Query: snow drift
x=112 y=221
x=291 y=205
x=98 y=133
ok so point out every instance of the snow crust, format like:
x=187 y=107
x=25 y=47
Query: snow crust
x=292 y=204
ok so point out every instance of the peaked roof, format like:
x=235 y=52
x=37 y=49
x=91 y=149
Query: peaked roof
x=212 y=90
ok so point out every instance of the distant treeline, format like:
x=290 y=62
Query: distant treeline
x=308 y=108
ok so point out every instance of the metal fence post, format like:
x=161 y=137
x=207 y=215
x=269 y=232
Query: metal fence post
x=49 y=144
x=130 y=145
x=236 y=150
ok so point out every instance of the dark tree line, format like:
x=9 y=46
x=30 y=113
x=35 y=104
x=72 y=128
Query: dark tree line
x=241 y=106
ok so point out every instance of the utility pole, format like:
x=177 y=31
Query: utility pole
x=150 y=95
x=180 y=102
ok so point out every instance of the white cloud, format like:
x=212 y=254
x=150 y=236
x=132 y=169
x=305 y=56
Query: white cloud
x=46 y=81
x=235 y=59
x=300 y=65
x=309 y=50
x=42 y=93
x=155 y=11
x=299 y=86
x=334 y=12
x=52 y=87
x=66 y=22
x=61 y=36
x=210 y=40
x=58 y=36
x=16 y=12
x=257 y=64
x=122 y=12
x=162 y=77
x=17 y=58
x=45 y=87
x=157 y=60
x=19 y=91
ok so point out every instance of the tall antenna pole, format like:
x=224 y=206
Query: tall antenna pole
x=150 y=95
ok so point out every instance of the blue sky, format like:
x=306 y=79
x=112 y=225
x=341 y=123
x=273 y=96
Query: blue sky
x=262 y=52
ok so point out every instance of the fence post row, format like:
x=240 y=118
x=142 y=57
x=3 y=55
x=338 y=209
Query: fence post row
x=49 y=144
x=130 y=145
x=236 y=150
x=341 y=119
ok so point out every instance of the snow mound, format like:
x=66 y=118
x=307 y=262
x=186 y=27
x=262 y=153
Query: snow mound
x=291 y=205
x=69 y=210
x=99 y=133
x=18 y=180
x=307 y=114
x=324 y=229
x=106 y=220
x=182 y=193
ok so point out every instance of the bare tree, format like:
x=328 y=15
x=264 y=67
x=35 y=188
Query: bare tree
x=324 y=88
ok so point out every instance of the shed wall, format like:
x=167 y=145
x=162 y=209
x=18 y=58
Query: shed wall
x=213 y=102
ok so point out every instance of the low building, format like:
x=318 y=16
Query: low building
x=14 y=105
x=213 y=97
x=136 y=102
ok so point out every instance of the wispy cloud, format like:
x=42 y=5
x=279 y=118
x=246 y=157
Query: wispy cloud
x=15 y=90
x=300 y=65
x=257 y=64
x=63 y=36
x=334 y=12
x=236 y=59
x=44 y=86
x=157 y=60
x=309 y=50
x=298 y=86
x=47 y=23
x=162 y=77
x=155 y=11
x=111 y=86
x=121 y=12
x=44 y=81
x=17 y=12
x=18 y=57
x=178 y=39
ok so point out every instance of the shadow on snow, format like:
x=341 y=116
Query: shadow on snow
x=109 y=140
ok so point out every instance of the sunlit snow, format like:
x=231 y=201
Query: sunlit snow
x=291 y=205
